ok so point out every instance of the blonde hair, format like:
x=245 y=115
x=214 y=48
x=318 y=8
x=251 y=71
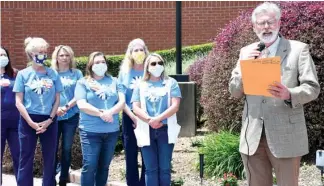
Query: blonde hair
x=54 y=63
x=34 y=44
x=265 y=8
x=89 y=72
x=128 y=60
x=147 y=75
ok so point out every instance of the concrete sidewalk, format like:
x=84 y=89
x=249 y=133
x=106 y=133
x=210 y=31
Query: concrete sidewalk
x=10 y=180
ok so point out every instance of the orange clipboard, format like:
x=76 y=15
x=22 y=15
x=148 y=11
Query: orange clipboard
x=258 y=74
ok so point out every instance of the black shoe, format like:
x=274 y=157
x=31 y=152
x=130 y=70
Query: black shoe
x=62 y=183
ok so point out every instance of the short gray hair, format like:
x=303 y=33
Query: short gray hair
x=266 y=7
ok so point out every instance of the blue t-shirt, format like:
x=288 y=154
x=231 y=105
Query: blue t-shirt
x=156 y=96
x=8 y=101
x=102 y=94
x=39 y=89
x=69 y=79
x=130 y=81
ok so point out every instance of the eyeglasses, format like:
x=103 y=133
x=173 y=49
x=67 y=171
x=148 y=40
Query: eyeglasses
x=270 y=23
x=154 y=63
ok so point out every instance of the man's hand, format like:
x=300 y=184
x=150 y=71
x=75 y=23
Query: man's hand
x=279 y=90
x=249 y=52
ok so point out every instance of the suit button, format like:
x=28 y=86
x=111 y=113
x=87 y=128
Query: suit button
x=264 y=101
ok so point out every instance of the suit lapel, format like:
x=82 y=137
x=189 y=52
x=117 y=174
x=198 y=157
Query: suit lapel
x=282 y=50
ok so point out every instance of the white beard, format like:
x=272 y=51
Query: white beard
x=268 y=39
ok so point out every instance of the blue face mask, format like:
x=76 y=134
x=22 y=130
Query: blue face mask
x=40 y=58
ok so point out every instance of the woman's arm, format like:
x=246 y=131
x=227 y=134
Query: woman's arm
x=140 y=112
x=120 y=105
x=84 y=106
x=23 y=112
x=175 y=102
x=128 y=111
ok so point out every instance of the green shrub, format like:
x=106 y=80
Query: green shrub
x=177 y=182
x=221 y=154
x=169 y=56
x=301 y=21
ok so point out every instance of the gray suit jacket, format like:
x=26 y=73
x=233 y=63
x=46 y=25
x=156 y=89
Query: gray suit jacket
x=284 y=125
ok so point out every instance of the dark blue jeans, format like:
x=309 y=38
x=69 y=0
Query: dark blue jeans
x=97 y=151
x=9 y=132
x=131 y=152
x=67 y=129
x=157 y=158
x=28 y=140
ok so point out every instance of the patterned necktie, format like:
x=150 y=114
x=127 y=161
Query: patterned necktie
x=265 y=53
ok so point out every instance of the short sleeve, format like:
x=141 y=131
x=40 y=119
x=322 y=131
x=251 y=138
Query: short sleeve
x=136 y=95
x=175 y=89
x=19 y=83
x=58 y=83
x=80 y=91
x=120 y=87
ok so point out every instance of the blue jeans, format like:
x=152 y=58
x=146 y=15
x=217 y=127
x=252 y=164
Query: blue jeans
x=131 y=152
x=97 y=151
x=157 y=158
x=67 y=128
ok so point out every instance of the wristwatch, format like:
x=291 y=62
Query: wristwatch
x=50 y=117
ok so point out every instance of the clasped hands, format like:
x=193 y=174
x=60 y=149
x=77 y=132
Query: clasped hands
x=154 y=122
x=41 y=127
x=107 y=115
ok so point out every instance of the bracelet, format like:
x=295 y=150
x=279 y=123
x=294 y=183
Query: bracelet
x=50 y=117
x=67 y=106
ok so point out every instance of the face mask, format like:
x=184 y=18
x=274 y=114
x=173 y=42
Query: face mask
x=100 y=69
x=40 y=59
x=157 y=70
x=138 y=57
x=4 y=61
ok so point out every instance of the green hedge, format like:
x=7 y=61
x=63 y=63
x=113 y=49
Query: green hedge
x=168 y=55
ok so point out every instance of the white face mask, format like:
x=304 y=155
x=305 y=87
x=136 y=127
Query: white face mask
x=157 y=70
x=99 y=69
x=4 y=61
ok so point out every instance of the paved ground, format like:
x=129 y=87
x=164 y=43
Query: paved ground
x=9 y=180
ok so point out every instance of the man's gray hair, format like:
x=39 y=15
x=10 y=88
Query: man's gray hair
x=264 y=8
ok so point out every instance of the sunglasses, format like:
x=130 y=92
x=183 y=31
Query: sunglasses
x=154 y=63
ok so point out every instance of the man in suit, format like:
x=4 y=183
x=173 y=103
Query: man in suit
x=273 y=134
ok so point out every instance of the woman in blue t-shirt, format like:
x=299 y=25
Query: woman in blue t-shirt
x=68 y=113
x=150 y=103
x=9 y=113
x=37 y=98
x=131 y=72
x=100 y=98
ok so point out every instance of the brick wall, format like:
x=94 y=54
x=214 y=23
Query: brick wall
x=109 y=26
